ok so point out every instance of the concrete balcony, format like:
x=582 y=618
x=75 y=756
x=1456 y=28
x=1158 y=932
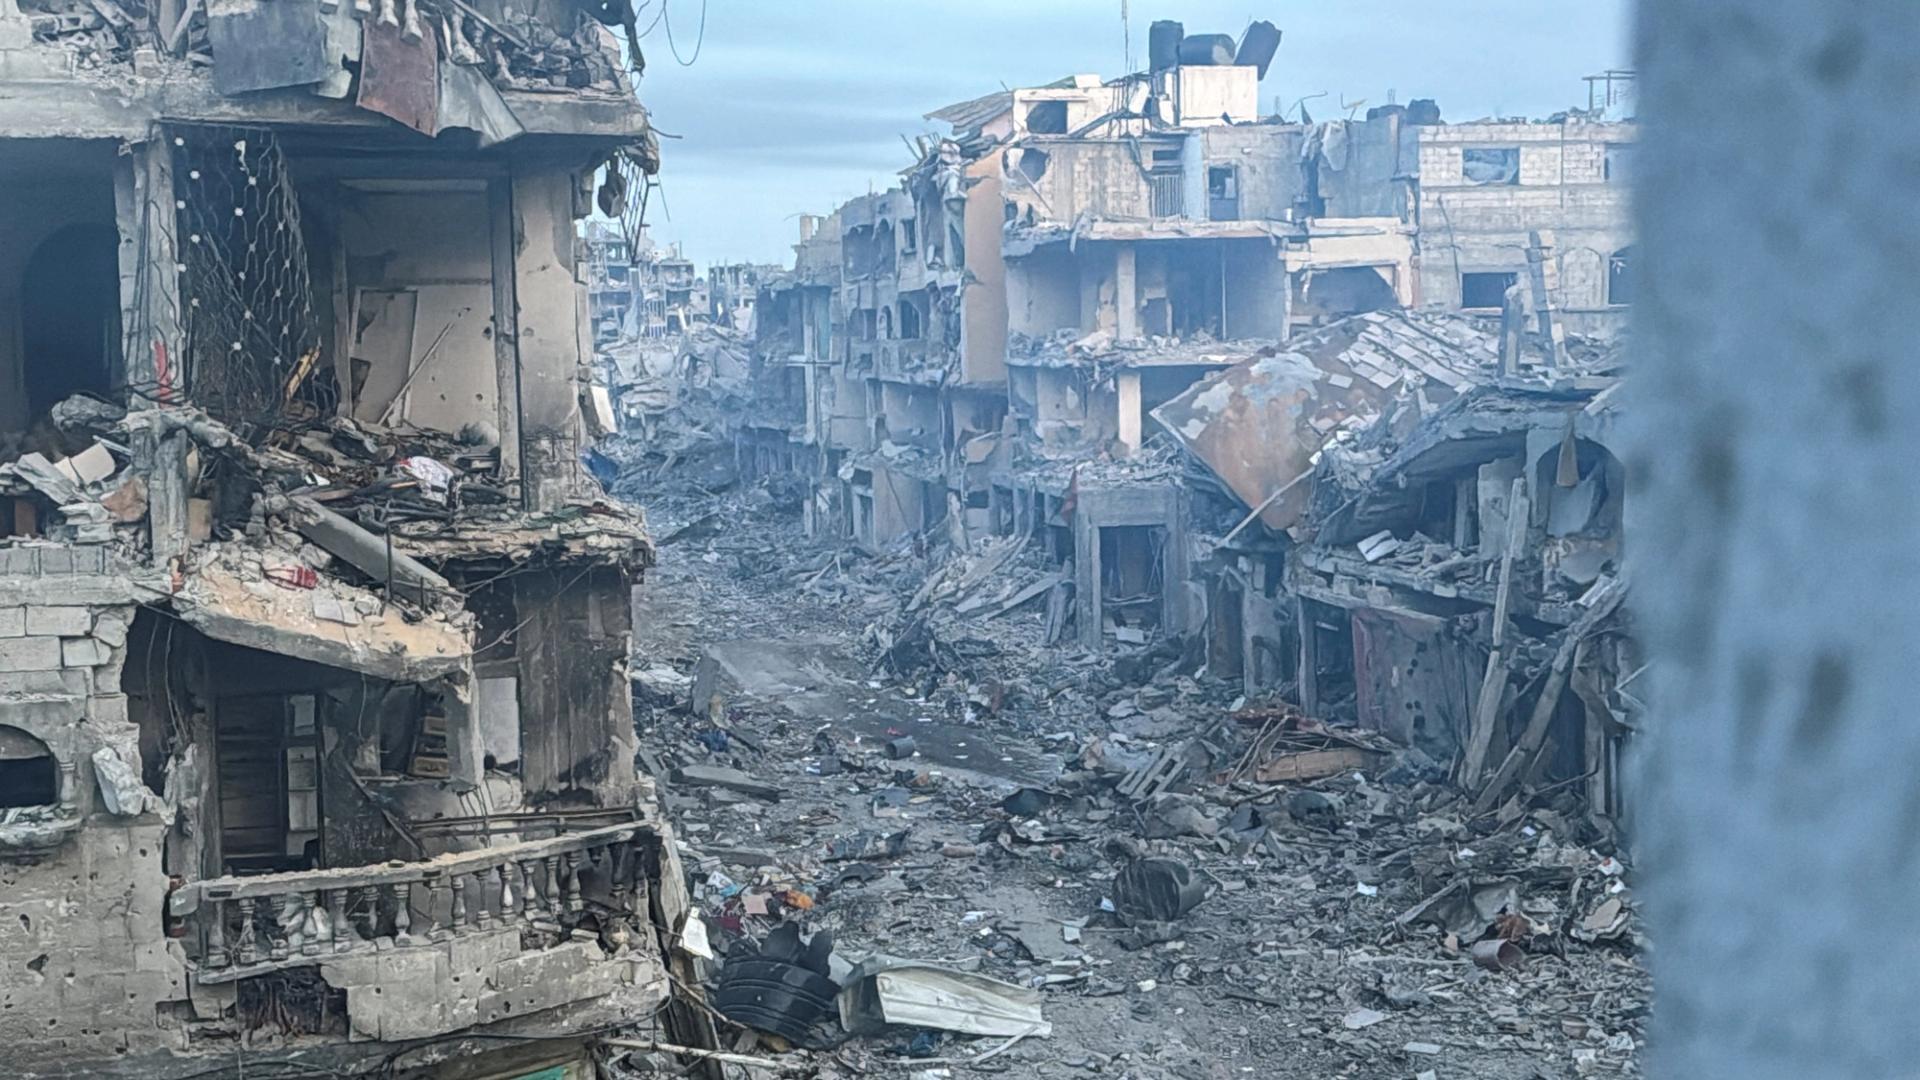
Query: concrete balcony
x=434 y=946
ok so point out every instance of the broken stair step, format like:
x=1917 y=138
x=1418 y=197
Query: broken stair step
x=718 y=776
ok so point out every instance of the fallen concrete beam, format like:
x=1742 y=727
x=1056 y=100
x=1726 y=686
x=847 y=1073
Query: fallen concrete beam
x=367 y=552
x=719 y=776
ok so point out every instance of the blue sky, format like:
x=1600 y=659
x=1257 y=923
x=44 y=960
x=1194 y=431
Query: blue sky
x=792 y=107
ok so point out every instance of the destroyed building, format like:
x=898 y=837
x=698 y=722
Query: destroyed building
x=981 y=350
x=1435 y=535
x=732 y=290
x=315 y=727
x=627 y=288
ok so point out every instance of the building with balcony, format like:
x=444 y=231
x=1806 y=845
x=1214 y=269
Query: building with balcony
x=315 y=730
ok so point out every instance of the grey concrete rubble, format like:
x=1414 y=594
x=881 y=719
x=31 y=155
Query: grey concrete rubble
x=316 y=741
x=1169 y=558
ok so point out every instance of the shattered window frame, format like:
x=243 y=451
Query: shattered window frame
x=1490 y=166
x=1512 y=278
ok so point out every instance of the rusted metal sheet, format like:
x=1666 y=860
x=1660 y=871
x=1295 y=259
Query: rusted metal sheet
x=265 y=45
x=401 y=78
x=1258 y=424
x=1247 y=424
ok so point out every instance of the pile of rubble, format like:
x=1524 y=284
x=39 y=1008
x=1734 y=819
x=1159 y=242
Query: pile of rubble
x=337 y=519
x=677 y=401
x=1108 y=863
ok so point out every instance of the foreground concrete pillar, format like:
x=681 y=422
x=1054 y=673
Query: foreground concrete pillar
x=1775 y=513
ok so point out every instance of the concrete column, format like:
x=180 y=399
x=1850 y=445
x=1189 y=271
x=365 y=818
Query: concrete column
x=154 y=342
x=1309 y=682
x=506 y=326
x=1773 y=520
x=1127 y=387
x=550 y=349
x=1126 y=294
x=1089 y=610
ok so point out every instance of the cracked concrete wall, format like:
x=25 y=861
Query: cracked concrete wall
x=1266 y=163
x=1773 y=450
x=84 y=957
x=576 y=703
x=983 y=321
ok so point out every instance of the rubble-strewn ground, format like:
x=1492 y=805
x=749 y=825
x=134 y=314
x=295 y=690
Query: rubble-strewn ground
x=1293 y=966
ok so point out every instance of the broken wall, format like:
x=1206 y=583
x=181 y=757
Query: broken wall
x=1155 y=507
x=1414 y=679
x=1361 y=167
x=419 y=268
x=81 y=925
x=1254 y=276
x=1564 y=184
x=1043 y=291
x=896 y=507
x=1265 y=159
x=1104 y=178
x=576 y=705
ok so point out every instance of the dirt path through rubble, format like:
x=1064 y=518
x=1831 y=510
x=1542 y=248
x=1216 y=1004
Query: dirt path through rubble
x=783 y=645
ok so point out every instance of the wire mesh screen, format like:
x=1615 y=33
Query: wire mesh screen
x=253 y=340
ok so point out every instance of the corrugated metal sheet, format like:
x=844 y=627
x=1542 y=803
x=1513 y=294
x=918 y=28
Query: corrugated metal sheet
x=1259 y=424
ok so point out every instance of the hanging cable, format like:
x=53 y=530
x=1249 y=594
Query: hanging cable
x=699 y=41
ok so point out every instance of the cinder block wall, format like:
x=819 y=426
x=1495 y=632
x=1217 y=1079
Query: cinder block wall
x=1564 y=187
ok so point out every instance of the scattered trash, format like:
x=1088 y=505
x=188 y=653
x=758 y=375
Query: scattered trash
x=785 y=989
x=1027 y=802
x=1497 y=955
x=693 y=937
x=1156 y=890
x=867 y=845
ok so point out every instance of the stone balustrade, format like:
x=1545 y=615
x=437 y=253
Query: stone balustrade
x=250 y=924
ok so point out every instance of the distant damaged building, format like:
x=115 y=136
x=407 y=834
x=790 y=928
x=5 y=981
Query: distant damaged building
x=982 y=349
x=316 y=747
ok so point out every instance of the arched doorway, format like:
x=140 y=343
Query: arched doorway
x=70 y=315
x=29 y=776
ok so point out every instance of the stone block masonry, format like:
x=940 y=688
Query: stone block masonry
x=30 y=654
x=59 y=621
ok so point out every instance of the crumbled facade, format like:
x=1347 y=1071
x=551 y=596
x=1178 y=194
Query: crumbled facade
x=315 y=725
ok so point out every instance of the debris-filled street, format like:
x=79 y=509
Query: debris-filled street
x=1164 y=878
